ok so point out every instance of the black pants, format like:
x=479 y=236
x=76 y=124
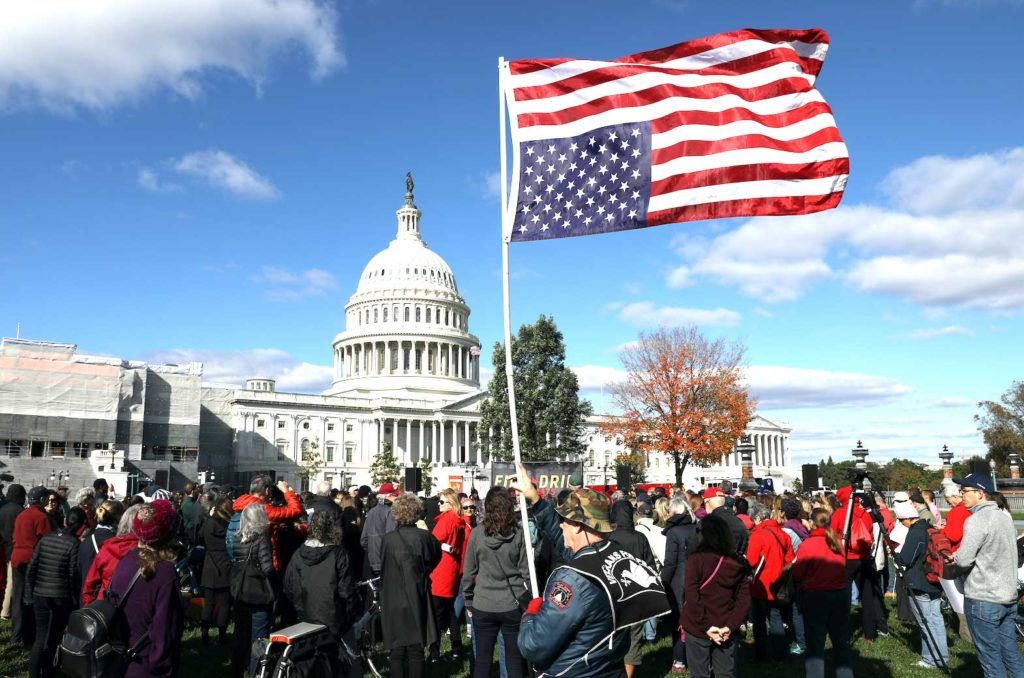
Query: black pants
x=220 y=597
x=414 y=653
x=769 y=633
x=444 y=614
x=872 y=605
x=827 y=612
x=486 y=626
x=51 y=616
x=23 y=626
x=704 y=657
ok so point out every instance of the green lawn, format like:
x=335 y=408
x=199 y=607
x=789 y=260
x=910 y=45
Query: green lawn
x=893 y=657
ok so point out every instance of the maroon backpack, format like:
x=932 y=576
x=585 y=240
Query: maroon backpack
x=934 y=563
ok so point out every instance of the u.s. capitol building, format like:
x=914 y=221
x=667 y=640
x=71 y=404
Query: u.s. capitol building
x=406 y=372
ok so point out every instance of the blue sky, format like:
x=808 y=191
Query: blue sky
x=206 y=179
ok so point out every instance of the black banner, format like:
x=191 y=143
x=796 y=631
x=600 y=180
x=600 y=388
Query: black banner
x=550 y=477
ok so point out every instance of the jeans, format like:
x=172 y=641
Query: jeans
x=933 y=629
x=651 y=630
x=251 y=624
x=992 y=628
x=769 y=633
x=486 y=627
x=398 y=656
x=827 y=613
x=703 y=656
x=862 y=573
x=796 y=618
x=51 y=617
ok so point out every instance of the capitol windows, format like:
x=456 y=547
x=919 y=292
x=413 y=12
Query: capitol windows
x=396 y=314
x=330 y=453
x=282 y=447
x=348 y=428
x=350 y=451
x=385 y=314
x=446 y=317
x=330 y=427
x=280 y=423
x=406 y=314
x=375 y=318
x=428 y=314
x=417 y=314
x=261 y=423
x=305 y=426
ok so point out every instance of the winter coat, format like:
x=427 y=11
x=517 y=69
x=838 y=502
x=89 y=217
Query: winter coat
x=91 y=546
x=679 y=542
x=103 y=565
x=954 y=529
x=29 y=527
x=153 y=606
x=320 y=586
x=497 y=569
x=350 y=534
x=216 y=564
x=9 y=512
x=378 y=523
x=452 y=531
x=860 y=546
x=740 y=534
x=625 y=535
x=817 y=567
x=713 y=598
x=53 y=571
x=770 y=543
x=912 y=557
x=261 y=553
x=655 y=539
x=276 y=515
x=318 y=503
x=408 y=554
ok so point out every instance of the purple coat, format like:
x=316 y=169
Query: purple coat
x=153 y=605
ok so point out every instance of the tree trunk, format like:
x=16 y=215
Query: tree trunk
x=679 y=461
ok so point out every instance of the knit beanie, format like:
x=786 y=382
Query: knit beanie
x=155 y=522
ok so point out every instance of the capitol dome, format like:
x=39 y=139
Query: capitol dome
x=406 y=325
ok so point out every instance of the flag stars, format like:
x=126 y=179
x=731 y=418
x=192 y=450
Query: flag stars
x=624 y=186
x=636 y=132
x=603 y=170
x=551 y=148
x=574 y=147
x=624 y=165
x=603 y=148
x=561 y=178
x=562 y=157
x=534 y=219
x=551 y=169
x=613 y=136
x=592 y=141
x=529 y=150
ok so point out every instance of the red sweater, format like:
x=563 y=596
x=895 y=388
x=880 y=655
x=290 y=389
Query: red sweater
x=817 y=567
x=275 y=514
x=764 y=542
x=713 y=598
x=29 y=527
x=860 y=534
x=954 y=529
x=453 y=530
x=103 y=566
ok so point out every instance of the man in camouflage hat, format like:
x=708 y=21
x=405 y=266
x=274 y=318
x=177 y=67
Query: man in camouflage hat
x=582 y=622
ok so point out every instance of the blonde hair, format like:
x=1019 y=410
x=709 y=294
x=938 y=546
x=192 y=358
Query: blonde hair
x=451 y=497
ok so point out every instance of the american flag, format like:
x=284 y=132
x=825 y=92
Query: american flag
x=724 y=126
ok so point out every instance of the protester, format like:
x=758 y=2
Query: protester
x=921 y=505
x=378 y=523
x=101 y=492
x=190 y=507
x=714 y=503
x=152 y=605
x=407 y=556
x=494 y=583
x=987 y=558
x=109 y=556
x=820 y=571
x=452 y=530
x=52 y=584
x=108 y=515
x=216 y=577
x=679 y=531
x=321 y=501
x=792 y=511
x=860 y=567
x=927 y=607
x=85 y=499
x=253 y=567
x=321 y=588
x=646 y=526
x=742 y=508
x=29 y=527
x=261 y=489
x=717 y=600
x=14 y=505
x=626 y=538
x=768 y=552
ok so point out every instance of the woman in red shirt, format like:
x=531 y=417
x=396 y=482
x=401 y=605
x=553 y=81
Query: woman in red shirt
x=820 y=572
x=451 y=528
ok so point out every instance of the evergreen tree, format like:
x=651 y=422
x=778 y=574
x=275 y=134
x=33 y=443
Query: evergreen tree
x=385 y=467
x=427 y=470
x=550 y=413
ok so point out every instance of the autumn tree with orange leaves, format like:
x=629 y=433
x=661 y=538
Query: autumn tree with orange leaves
x=683 y=395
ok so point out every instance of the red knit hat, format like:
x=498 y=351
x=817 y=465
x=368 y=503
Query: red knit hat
x=713 y=492
x=161 y=524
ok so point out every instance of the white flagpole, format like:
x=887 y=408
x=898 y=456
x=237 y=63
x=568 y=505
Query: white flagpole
x=506 y=233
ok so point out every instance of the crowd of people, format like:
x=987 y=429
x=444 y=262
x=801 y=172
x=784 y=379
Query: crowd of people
x=711 y=569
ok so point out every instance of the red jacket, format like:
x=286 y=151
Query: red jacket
x=29 y=527
x=768 y=541
x=453 y=530
x=860 y=526
x=275 y=514
x=103 y=565
x=745 y=519
x=817 y=567
x=954 y=529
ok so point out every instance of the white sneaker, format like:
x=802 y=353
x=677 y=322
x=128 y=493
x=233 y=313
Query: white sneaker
x=925 y=665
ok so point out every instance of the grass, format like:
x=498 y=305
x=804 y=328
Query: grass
x=893 y=657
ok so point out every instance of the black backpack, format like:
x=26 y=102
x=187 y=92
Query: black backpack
x=95 y=642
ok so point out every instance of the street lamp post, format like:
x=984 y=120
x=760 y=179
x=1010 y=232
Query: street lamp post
x=860 y=453
x=992 y=467
x=1014 y=466
x=947 y=465
x=746 y=450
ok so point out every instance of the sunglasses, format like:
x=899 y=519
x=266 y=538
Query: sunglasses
x=468 y=508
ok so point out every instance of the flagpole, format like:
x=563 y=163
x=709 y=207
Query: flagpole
x=506 y=232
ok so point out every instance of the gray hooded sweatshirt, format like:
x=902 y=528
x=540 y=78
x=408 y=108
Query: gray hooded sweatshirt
x=496 y=571
x=988 y=553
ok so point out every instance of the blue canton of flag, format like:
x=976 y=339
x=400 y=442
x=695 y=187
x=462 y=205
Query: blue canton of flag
x=592 y=183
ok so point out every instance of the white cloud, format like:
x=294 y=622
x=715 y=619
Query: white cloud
x=647 y=314
x=792 y=387
x=953 y=401
x=234 y=367
x=596 y=377
x=763 y=312
x=66 y=55
x=222 y=170
x=955 y=246
x=492 y=185
x=283 y=285
x=150 y=181
x=932 y=332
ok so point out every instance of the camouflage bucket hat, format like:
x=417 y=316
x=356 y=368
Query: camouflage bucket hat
x=588 y=508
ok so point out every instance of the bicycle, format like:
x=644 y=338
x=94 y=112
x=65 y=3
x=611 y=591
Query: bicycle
x=369 y=633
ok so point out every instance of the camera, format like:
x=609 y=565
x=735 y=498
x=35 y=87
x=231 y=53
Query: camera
x=860 y=478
